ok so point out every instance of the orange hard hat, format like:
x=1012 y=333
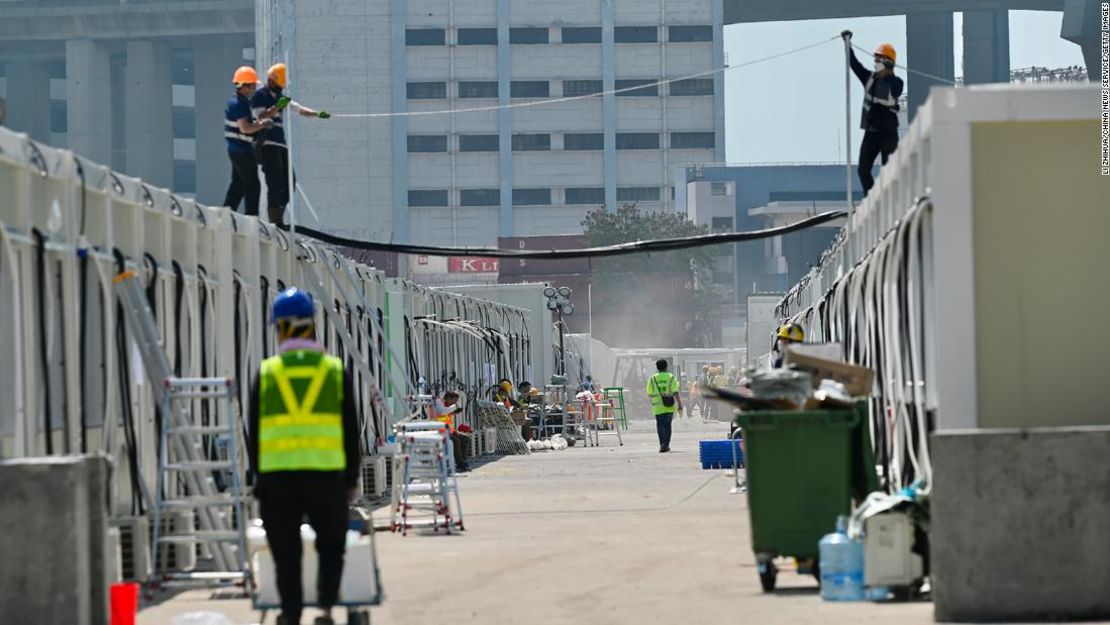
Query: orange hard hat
x=245 y=75
x=276 y=73
x=887 y=50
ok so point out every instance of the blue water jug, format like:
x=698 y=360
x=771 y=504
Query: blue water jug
x=841 y=565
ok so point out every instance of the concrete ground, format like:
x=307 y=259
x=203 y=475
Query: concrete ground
x=601 y=535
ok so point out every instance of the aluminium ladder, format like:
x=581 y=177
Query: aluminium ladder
x=422 y=496
x=220 y=513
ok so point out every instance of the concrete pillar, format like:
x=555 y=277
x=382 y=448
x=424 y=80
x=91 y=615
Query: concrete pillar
x=148 y=102
x=214 y=62
x=929 y=49
x=1079 y=26
x=89 y=99
x=986 y=46
x=28 y=100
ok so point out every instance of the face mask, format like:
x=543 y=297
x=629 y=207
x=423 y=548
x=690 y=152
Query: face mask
x=879 y=66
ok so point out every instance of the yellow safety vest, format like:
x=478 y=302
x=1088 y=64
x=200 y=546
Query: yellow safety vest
x=301 y=413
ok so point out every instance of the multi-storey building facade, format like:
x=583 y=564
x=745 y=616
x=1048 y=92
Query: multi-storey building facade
x=528 y=162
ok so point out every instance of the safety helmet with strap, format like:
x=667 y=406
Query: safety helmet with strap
x=791 y=332
x=887 y=50
x=245 y=75
x=277 y=73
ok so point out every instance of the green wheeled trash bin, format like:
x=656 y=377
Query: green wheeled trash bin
x=799 y=472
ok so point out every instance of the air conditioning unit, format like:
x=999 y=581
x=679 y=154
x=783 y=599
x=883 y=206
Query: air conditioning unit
x=179 y=557
x=374 y=477
x=134 y=548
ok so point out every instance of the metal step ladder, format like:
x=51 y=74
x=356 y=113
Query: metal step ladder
x=184 y=467
x=423 y=495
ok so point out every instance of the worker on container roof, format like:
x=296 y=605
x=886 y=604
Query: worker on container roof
x=304 y=451
x=879 y=119
x=240 y=127
x=270 y=102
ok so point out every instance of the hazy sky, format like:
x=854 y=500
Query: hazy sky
x=792 y=109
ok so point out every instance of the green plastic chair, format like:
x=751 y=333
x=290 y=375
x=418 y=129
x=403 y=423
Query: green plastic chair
x=617 y=393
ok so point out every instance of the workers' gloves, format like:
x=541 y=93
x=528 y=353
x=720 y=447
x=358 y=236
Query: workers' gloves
x=846 y=34
x=283 y=102
x=324 y=115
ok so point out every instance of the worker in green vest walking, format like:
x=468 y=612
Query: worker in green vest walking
x=664 y=392
x=304 y=453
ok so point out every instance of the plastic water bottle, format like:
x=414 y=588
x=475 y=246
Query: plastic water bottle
x=841 y=565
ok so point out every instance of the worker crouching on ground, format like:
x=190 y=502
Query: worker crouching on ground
x=445 y=410
x=662 y=388
x=879 y=120
x=304 y=453
x=270 y=103
x=240 y=129
x=788 y=334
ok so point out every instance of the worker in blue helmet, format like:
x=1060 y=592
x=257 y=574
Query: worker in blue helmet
x=304 y=453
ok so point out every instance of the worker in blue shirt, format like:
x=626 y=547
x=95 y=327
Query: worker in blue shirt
x=239 y=130
x=879 y=121
x=269 y=103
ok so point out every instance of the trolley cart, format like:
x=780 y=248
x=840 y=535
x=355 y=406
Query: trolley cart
x=359 y=590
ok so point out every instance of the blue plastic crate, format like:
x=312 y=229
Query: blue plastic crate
x=717 y=454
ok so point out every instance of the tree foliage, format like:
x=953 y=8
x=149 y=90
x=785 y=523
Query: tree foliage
x=700 y=299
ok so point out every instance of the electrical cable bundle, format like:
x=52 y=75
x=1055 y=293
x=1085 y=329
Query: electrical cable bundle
x=876 y=312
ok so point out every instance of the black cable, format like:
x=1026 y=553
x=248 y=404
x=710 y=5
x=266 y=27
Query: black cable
x=83 y=280
x=264 y=288
x=202 y=299
x=83 y=304
x=178 y=301
x=636 y=247
x=40 y=271
x=129 y=434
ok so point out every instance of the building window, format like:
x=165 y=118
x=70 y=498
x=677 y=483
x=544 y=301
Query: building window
x=529 y=89
x=581 y=34
x=689 y=140
x=184 y=122
x=427 y=143
x=637 y=194
x=721 y=224
x=527 y=35
x=478 y=143
x=635 y=34
x=585 y=195
x=426 y=90
x=184 y=176
x=425 y=37
x=59 y=115
x=531 y=142
x=430 y=197
x=531 y=197
x=480 y=197
x=478 y=89
x=583 y=141
x=682 y=34
x=573 y=88
x=646 y=91
x=692 y=86
x=637 y=141
x=718 y=188
x=477 y=36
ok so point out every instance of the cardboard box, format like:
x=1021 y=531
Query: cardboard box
x=814 y=358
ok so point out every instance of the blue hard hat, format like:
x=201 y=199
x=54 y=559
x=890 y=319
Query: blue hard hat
x=293 y=303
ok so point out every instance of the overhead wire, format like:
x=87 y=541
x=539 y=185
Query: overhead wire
x=600 y=94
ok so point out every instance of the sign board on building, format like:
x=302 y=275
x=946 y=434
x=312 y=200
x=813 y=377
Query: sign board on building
x=472 y=264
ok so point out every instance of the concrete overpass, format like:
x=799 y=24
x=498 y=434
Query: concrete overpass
x=117 y=59
x=986 y=31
